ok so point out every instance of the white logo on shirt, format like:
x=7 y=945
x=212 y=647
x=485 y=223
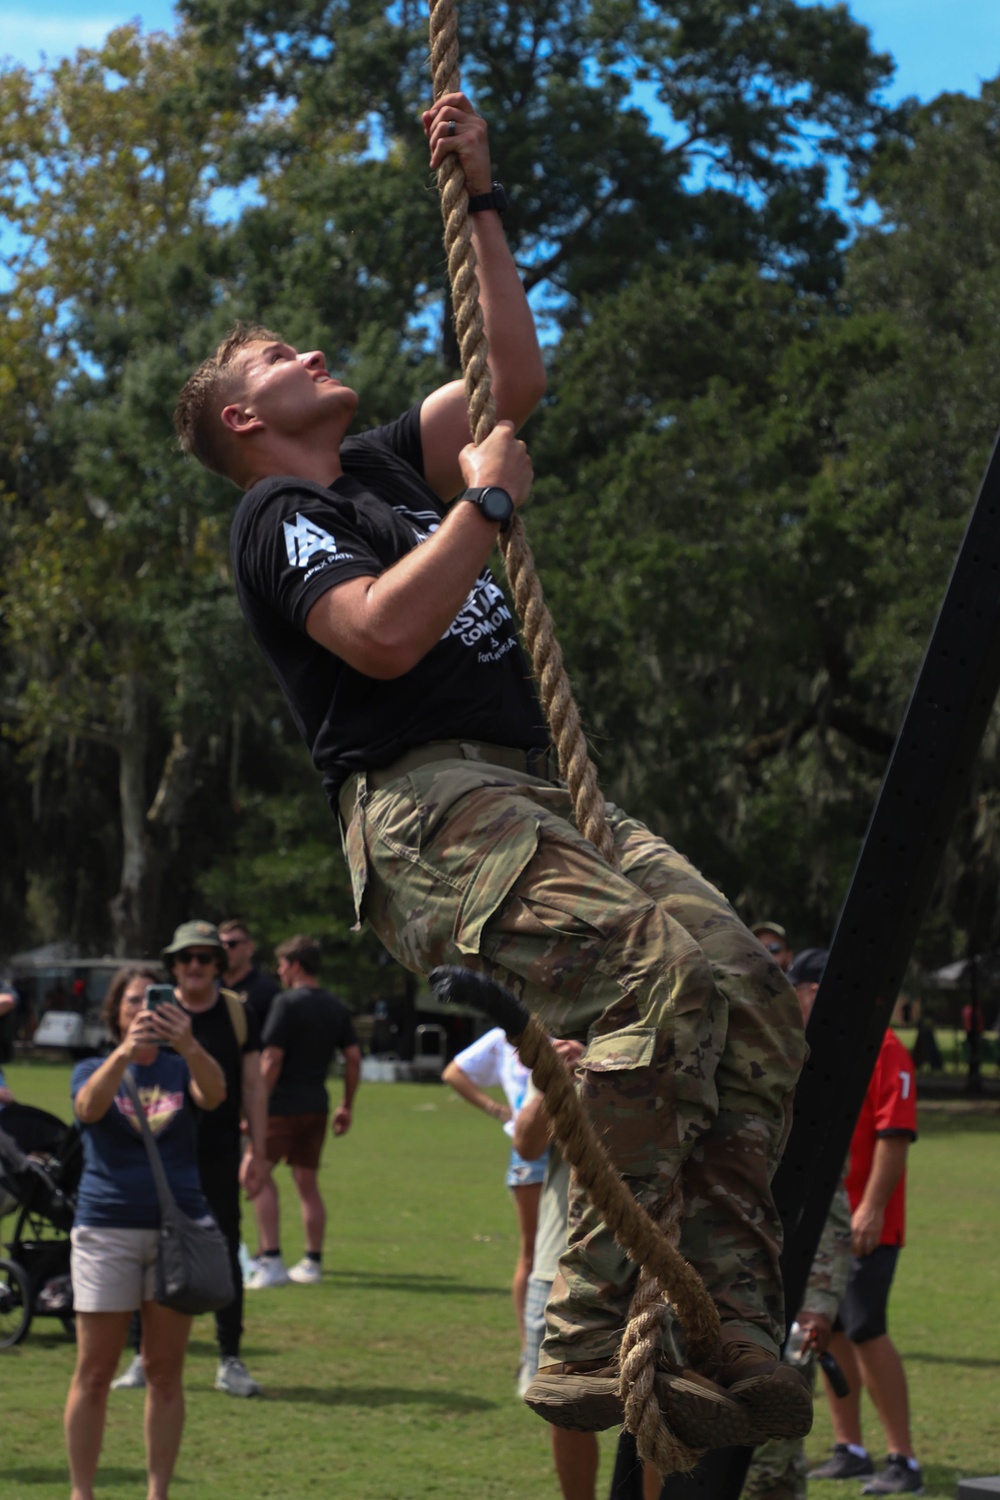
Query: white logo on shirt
x=305 y=539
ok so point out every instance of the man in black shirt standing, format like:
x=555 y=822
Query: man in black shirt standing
x=306 y=1027
x=255 y=988
x=369 y=594
x=228 y=1031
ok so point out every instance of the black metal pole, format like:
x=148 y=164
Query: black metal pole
x=927 y=775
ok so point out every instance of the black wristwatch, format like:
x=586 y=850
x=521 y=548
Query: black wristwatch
x=495 y=503
x=495 y=198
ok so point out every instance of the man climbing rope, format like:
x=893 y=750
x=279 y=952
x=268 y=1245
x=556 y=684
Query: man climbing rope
x=370 y=597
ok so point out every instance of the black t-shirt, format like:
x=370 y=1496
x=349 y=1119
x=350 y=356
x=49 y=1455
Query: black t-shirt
x=292 y=540
x=219 y=1129
x=308 y=1024
x=256 y=989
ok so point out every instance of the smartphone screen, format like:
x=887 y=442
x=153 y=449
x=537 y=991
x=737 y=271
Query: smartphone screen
x=157 y=995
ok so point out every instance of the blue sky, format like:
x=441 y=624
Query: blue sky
x=937 y=44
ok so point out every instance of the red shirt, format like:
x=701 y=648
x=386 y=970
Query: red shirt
x=889 y=1108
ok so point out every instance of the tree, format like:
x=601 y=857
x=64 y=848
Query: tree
x=763 y=495
x=752 y=107
x=121 y=627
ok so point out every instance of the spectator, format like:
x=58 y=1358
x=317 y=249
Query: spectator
x=926 y=1052
x=228 y=1032
x=491 y=1062
x=576 y=1454
x=306 y=1025
x=773 y=937
x=778 y=1468
x=115 y=1229
x=255 y=988
x=876 y=1188
x=8 y=1009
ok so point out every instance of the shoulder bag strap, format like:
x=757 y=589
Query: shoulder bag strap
x=167 y=1201
x=237 y=1016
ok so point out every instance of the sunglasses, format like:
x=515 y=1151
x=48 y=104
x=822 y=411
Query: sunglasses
x=190 y=957
x=774 y=947
x=234 y=942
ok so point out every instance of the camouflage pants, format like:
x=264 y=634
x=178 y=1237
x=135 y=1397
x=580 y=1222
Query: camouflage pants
x=694 y=1038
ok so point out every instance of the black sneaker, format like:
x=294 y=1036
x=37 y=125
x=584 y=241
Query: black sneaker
x=897 y=1478
x=843 y=1464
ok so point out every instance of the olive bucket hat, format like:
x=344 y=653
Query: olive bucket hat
x=194 y=935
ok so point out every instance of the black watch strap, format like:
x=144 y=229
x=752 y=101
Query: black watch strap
x=495 y=198
x=494 y=502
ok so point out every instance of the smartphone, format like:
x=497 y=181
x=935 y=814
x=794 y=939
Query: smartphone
x=157 y=995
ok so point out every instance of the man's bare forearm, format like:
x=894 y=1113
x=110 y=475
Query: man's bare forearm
x=352 y=1074
x=515 y=357
x=255 y=1103
x=888 y=1166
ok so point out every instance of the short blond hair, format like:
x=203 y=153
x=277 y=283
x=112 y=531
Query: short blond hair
x=197 y=416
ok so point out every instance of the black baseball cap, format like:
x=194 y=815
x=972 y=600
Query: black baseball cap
x=807 y=967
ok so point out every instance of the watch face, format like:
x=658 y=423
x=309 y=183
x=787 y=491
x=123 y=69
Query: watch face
x=497 y=504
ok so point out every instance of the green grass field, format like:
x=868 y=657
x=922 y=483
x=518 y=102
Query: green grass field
x=394 y=1380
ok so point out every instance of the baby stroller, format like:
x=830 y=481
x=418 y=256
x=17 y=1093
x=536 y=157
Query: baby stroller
x=41 y=1160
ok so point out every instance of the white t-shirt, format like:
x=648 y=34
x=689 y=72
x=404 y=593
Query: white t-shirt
x=491 y=1062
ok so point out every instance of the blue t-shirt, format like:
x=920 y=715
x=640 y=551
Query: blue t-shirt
x=117 y=1189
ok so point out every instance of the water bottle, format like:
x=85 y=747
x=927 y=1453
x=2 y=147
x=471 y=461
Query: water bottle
x=798 y=1345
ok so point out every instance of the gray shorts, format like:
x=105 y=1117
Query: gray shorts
x=113 y=1270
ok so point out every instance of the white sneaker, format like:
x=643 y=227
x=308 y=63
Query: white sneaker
x=270 y=1272
x=306 y=1273
x=132 y=1379
x=248 y=1264
x=234 y=1378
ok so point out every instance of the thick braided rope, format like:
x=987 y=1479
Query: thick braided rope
x=561 y=712
x=646 y=1244
x=632 y=1227
x=639 y=1348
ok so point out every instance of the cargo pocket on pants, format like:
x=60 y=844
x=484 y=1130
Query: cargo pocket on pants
x=627 y=1091
x=492 y=882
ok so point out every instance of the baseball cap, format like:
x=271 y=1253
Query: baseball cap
x=807 y=967
x=775 y=927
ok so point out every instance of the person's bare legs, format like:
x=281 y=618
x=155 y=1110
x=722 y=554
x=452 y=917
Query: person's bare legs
x=526 y=1199
x=100 y=1339
x=845 y=1411
x=652 y=1482
x=576 y=1457
x=164 y=1342
x=313 y=1207
x=885 y=1381
x=267 y=1213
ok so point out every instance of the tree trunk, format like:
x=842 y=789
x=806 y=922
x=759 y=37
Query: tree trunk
x=127 y=906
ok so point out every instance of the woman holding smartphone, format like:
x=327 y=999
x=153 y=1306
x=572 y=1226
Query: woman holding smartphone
x=117 y=1219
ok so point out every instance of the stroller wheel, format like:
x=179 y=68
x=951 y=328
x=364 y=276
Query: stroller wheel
x=15 y=1303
